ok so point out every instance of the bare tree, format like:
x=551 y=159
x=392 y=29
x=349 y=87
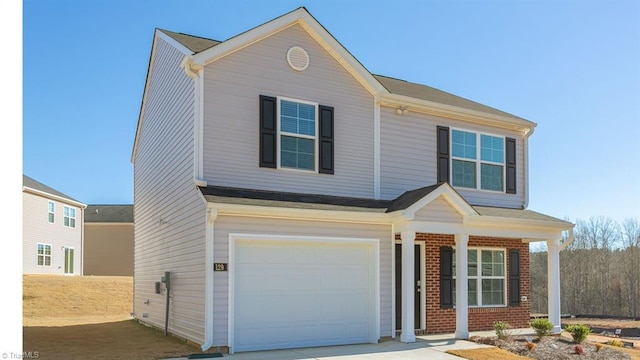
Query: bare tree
x=631 y=259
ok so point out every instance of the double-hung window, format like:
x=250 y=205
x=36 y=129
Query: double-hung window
x=486 y=271
x=44 y=254
x=477 y=160
x=69 y=219
x=297 y=134
x=52 y=210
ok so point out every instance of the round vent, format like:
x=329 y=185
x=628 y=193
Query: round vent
x=298 y=58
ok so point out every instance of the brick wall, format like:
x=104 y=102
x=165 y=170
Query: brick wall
x=444 y=320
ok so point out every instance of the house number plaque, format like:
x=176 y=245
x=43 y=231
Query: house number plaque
x=219 y=266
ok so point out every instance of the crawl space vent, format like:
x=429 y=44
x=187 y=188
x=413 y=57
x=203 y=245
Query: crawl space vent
x=298 y=58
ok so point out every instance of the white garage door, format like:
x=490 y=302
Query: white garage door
x=291 y=294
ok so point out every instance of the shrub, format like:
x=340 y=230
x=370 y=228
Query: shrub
x=502 y=330
x=542 y=327
x=531 y=346
x=615 y=343
x=598 y=346
x=578 y=332
x=578 y=349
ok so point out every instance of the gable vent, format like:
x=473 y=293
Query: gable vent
x=298 y=58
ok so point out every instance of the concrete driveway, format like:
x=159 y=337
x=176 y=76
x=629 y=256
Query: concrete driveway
x=426 y=347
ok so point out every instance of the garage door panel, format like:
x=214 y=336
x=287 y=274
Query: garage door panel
x=298 y=293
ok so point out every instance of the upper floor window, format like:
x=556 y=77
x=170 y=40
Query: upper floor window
x=44 y=254
x=477 y=160
x=52 y=211
x=69 y=217
x=486 y=271
x=297 y=134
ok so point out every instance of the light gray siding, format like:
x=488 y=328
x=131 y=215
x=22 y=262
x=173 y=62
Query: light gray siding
x=408 y=157
x=37 y=229
x=439 y=210
x=233 y=85
x=169 y=211
x=225 y=225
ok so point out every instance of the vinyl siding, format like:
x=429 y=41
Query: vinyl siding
x=408 y=157
x=37 y=229
x=439 y=210
x=108 y=249
x=164 y=189
x=233 y=85
x=227 y=224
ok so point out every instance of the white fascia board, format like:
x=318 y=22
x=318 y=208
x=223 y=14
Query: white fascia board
x=302 y=214
x=53 y=197
x=313 y=28
x=451 y=196
x=497 y=221
x=171 y=41
x=456 y=113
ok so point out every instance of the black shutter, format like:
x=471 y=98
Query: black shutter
x=268 y=123
x=514 y=277
x=325 y=141
x=442 y=140
x=511 y=166
x=446 y=277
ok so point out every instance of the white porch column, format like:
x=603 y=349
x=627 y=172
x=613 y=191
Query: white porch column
x=553 y=279
x=408 y=287
x=462 y=287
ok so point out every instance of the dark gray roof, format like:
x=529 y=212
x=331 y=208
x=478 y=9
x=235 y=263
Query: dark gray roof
x=424 y=92
x=229 y=195
x=515 y=214
x=293 y=200
x=193 y=43
x=108 y=213
x=36 y=185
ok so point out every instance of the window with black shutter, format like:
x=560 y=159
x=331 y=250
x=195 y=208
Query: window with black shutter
x=446 y=277
x=514 y=277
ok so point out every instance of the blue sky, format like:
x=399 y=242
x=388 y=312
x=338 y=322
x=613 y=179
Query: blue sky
x=573 y=67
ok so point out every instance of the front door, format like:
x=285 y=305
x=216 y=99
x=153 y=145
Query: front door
x=68 y=260
x=416 y=291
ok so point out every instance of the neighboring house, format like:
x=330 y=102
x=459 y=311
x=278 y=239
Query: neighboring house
x=298 y=200
x=52 y=234
x=108 y=240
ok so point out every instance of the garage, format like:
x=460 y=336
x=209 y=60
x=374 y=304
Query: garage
x=300 y=292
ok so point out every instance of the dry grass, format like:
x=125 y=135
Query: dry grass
x=606 y=323
x=486 y=354
x=88 y=318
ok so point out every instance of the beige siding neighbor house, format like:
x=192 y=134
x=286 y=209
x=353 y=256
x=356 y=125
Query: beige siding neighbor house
x=108 y=240
x=52 y=232
x=286 y=197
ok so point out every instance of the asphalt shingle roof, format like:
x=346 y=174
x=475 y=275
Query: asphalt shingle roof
x=36 y=185
x=108 y=213
x=193 y=43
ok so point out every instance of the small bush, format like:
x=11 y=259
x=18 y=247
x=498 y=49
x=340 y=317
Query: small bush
x=578 y=349
x=502 y=330
x=618 y=343
x=531 y=346
x=598 y=346
x=578 y=332
x=542 y=327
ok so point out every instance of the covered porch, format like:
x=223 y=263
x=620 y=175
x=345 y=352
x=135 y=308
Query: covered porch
x=449 y=232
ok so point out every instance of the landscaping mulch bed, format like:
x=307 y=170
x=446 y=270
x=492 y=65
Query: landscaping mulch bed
x=554 y=347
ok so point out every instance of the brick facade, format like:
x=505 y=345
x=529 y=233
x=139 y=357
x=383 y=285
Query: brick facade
x=444 y=320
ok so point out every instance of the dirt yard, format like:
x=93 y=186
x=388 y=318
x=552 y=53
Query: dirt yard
x=89 y=318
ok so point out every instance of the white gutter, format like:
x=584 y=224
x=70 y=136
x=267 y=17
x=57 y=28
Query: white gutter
x=525 y=166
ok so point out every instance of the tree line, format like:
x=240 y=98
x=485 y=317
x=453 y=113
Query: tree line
x=599 y=270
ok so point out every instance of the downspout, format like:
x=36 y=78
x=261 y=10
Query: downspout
x=212 y=215
x=525 y=167
x=569 y=239
x=376 y=147
x=196 y=72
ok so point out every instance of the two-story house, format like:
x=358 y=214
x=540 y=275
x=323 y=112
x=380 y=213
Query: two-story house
x=52 y=231
x=299 y=200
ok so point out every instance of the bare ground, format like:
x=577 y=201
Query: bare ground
x=89 y=318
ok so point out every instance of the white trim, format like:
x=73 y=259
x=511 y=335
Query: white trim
x=376 y=148
x=423 y=289
x=65 y=207
x=375 y=243
x=525 y=167
x=478 y=160
x=453 y=198
x=279 y=134
x=183 y=49
x=64 y=256
x=44 y=255
x=456 y=113
x=54 y=197
x=211 y=216
x=49 y=212
x=478 y=278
